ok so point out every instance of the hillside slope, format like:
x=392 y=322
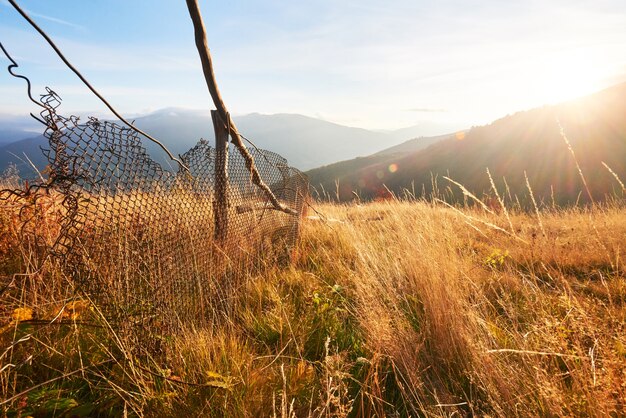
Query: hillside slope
x=8 y=135
x=413 y=145
x=19 y=152
x=323 y=177
x=529 y=141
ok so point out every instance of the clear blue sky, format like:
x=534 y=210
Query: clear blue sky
x=363 y=63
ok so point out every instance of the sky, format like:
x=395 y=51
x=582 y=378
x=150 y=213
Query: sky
x=363 y=63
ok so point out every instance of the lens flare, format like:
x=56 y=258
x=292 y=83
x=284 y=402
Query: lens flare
x=393 y=167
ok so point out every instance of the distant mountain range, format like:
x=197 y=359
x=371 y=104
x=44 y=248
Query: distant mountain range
x=11 y=135
x=304 y=141
x=530 y=141
x=526 y=142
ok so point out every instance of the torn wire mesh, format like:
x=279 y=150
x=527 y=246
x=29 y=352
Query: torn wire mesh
x=137 y=239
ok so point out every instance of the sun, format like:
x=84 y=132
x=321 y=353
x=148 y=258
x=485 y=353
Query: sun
x=561 y=77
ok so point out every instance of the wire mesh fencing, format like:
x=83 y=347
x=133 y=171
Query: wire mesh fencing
x=138 y=239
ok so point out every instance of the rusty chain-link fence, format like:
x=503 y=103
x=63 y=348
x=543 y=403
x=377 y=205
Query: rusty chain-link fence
x=140 y=240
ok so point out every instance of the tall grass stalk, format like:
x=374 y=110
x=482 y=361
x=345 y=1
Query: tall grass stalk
x=470 y=195
x=571 y=150
x=500 y=201
x=535 y=207
x=615 y=176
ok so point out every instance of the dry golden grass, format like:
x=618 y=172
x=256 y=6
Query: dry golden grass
x=388 y=309
x=482 y=320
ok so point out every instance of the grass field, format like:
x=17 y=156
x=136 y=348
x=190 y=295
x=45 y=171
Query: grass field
x=387 y=309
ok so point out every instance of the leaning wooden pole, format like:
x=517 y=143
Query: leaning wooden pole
x=220 y=203
x=209 y=75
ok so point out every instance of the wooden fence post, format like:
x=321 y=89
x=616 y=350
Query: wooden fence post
x=220 y=202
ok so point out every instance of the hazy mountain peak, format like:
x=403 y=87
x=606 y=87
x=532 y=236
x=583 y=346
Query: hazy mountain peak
x=306 y=142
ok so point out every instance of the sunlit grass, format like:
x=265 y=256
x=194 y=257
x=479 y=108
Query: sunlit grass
x=388 y=308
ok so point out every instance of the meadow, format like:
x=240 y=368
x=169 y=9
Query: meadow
x=390 y=308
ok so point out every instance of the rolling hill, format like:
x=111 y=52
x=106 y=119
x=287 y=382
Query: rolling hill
x=529 y=141
x=19 y=153
x=413 y=145
x=324 y=177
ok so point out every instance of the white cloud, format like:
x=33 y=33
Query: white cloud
x=45 y=17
